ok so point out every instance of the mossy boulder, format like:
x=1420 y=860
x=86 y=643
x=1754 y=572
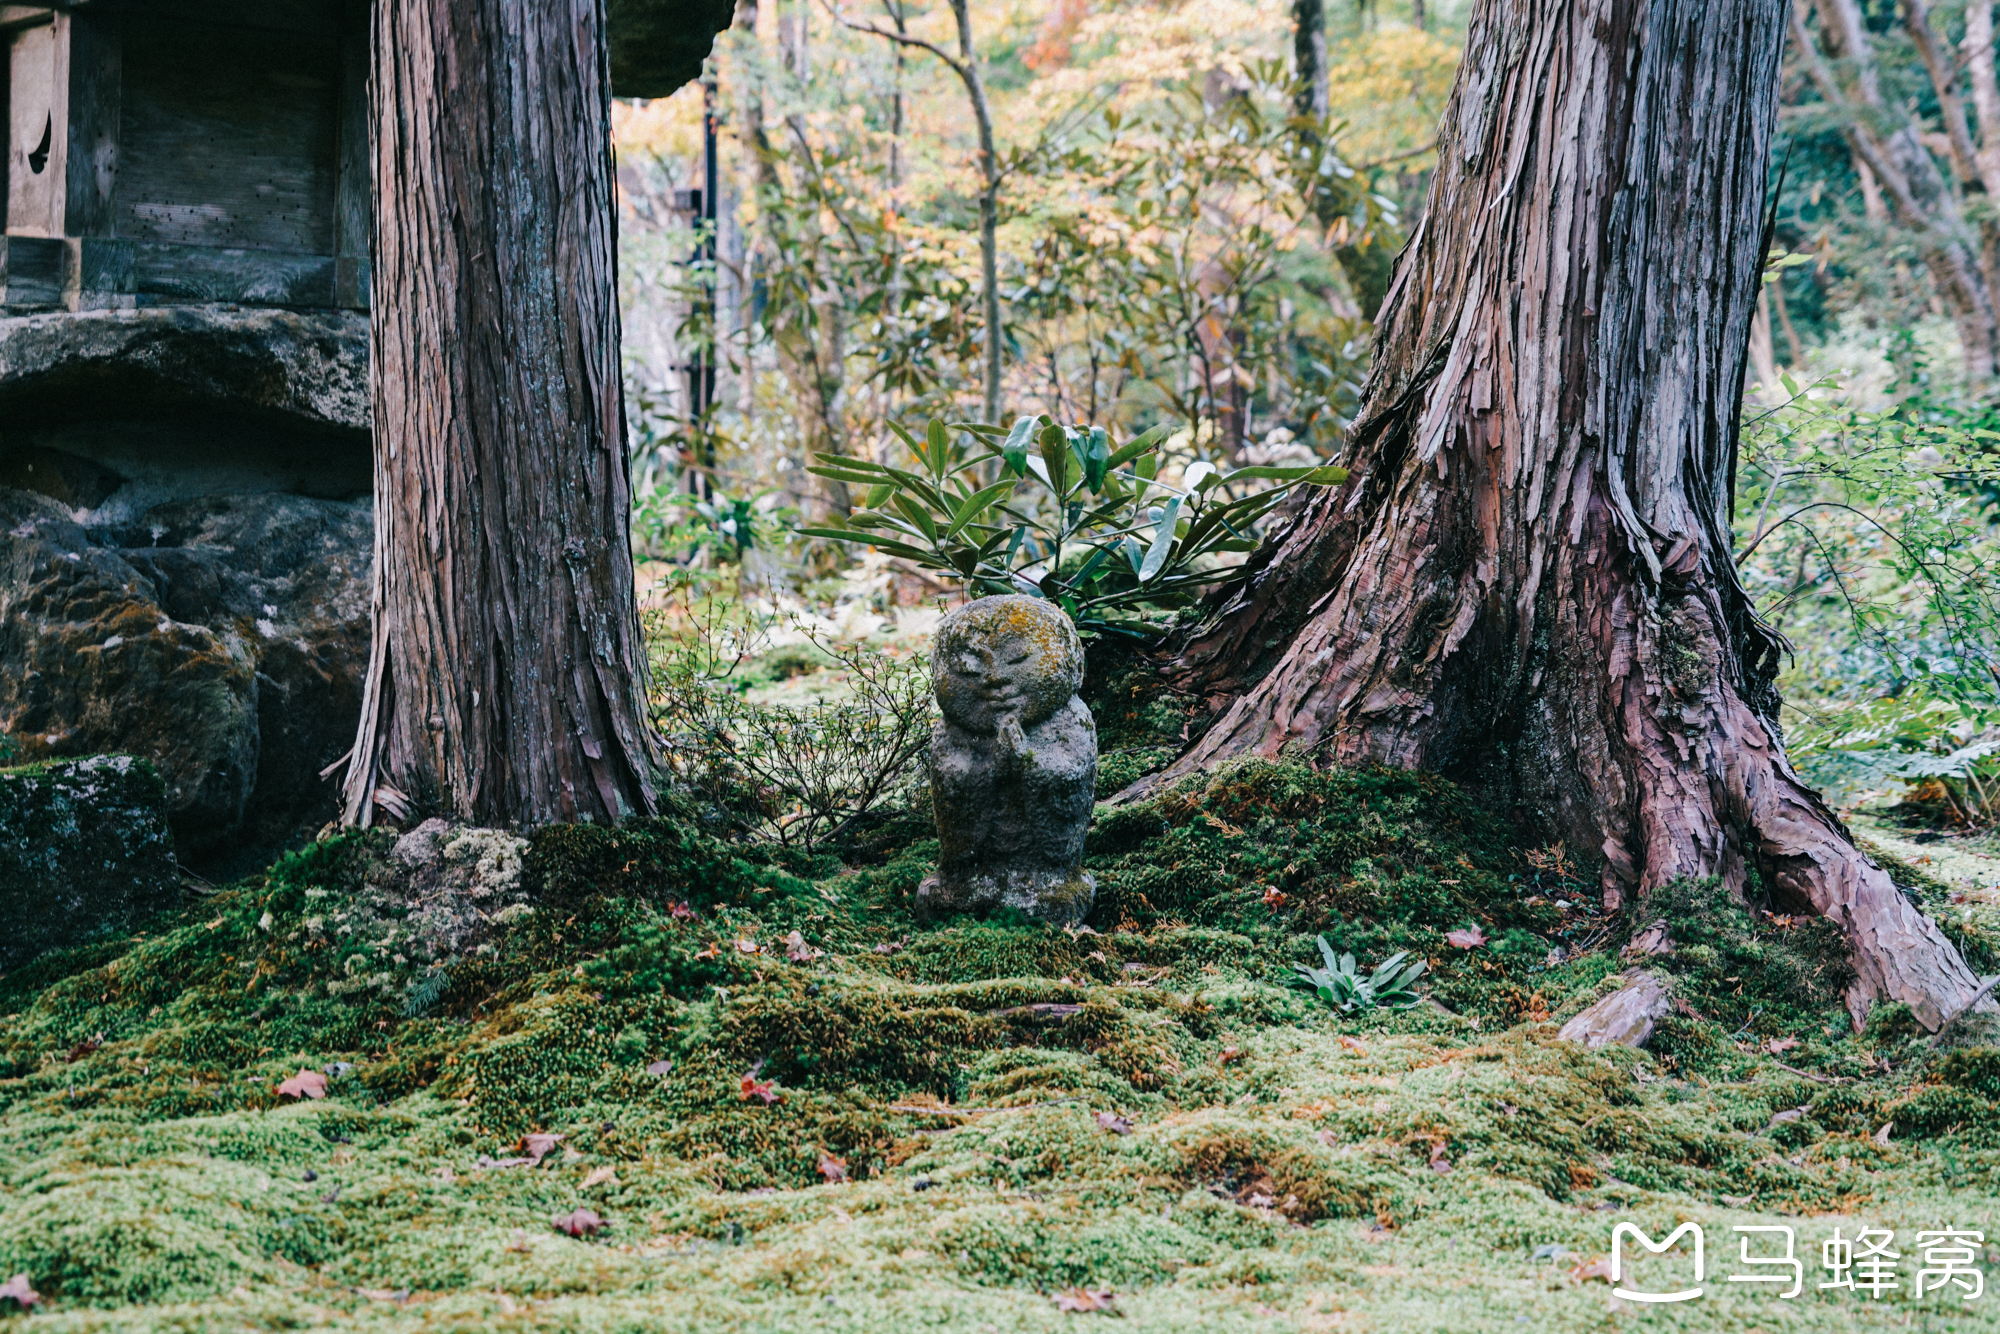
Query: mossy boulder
x=84 y=853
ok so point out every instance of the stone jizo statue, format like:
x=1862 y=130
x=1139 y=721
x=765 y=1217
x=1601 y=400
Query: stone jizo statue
x=1013 y=763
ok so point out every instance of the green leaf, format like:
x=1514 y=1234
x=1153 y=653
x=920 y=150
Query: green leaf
x=1015 y=451
x=1093 y=454
x=1055 y=457
x=1134 y=448
x=878 y=494
x=1163 y=541
x=1330 y=474
x=976 y=504
x=918 y=515
x=940 y=447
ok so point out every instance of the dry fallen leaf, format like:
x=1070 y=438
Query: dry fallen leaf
x=748 y=946
x=832 y=1168
x=85 y=1047
x=18 y=1289
x=1882 y=1135
x=599 y=1175
x=1589 y=1269
x=446 y=1175
x=660 y=1068
x=1228 y=1054
x=1789 y=1114
x=385 y=1294
x=538 y=1146
x=1470 y=937
x=797 y=950
x=1274 y=897
x=1439 y=1162
x=304 y=1084
x=582 y=1223
x=1353 y=1045
x=1776 y=1045
x=713 y=951
x=1326 y=1137
x=753 y=1091
x=1116 y=1124
x=520 y=1241
x=680 y=912
x=1085 y=1299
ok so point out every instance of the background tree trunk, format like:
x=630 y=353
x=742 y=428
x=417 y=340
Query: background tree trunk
x=506 y=684
x=1528 y=582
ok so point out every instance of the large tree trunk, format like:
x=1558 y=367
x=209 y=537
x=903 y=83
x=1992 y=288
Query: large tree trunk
x=507 y=680
x=1528 y=581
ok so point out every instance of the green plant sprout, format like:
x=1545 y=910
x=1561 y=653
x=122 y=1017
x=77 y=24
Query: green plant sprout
x=1388 y=987
x=1061 y=512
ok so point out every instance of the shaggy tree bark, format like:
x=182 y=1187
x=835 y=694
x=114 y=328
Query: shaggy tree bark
x=507 y=679
x=1528 y=581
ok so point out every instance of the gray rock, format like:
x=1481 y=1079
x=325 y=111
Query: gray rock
x=116 y=411
x=84 y=852
x=1626 y=1016
x=223 y=639
x=1013 y=763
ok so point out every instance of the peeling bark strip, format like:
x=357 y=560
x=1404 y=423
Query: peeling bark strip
x=508 y=671
x=1528 y=582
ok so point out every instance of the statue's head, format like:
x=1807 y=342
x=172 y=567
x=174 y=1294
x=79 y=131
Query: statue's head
x=1005 y=655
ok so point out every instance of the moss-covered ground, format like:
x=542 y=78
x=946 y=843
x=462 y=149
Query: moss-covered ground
x=1147 y=1106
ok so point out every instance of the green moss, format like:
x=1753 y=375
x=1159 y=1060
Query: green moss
x=1280 y=1156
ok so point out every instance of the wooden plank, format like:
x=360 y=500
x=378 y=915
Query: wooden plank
x=94 y=79
x=99 y=273
x=241 y=156
x=31 y=271
x=167 y=274
x=37 y=129
x=353 y=204
x=316 y=18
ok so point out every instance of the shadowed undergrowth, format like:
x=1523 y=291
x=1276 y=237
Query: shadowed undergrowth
x=1146 y=1104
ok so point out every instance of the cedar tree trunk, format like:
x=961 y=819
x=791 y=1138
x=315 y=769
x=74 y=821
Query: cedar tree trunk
x=507 y=680
x=1528 y=581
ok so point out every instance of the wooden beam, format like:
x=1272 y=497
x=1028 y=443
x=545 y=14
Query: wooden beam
x=31 y=272
x=37 y=129
x=166 y=274
x=95 y=79
x=352 y=196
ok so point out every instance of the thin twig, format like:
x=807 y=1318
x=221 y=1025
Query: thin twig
x=1985 y=990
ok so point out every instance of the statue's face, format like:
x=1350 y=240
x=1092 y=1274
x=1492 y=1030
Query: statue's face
x=1020 y=659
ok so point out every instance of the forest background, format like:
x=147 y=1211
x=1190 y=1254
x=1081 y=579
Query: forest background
x=1188 y=239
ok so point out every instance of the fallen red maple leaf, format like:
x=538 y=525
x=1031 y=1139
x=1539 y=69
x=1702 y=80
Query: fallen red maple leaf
x=753 y=1091
x=538 y=1146
x=1466 y=938
x=832 y=1168
x=18 y=1289
x=304 y=1084
x=797 y=950
x=680 y=912
x=748 y=946
x=1274 y=897
x=1776 y=1045
x=85 y=1047
x=582 y=1223
x=1085 y=1299
x=1116 y=1124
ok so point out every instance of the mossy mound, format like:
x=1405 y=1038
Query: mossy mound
x=796 y=1109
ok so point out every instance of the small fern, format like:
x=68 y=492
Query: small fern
x=426 y=991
